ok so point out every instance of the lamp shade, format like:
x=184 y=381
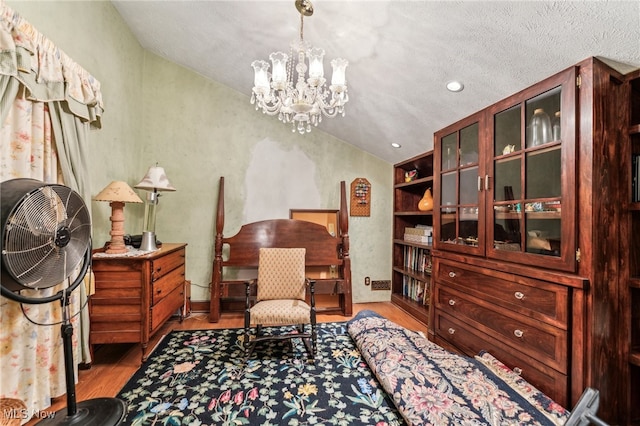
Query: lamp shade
x=118 y=191
x=155 y=180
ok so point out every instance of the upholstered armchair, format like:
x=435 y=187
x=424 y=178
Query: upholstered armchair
x=280 y=299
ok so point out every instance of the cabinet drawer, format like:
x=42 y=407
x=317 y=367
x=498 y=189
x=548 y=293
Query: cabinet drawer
x=533 y=338
x=538 y=299
x=166 y=307
x=165 y=285
x=165 y=264
x=471 y=341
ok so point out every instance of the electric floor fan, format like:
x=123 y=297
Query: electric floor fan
x=46 y=240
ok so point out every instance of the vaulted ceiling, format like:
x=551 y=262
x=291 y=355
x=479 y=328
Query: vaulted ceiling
x=401 y=53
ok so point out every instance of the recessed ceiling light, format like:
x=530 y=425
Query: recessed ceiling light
x=396 y=145
x=455 y=86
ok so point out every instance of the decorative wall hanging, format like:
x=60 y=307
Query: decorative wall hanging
x=360 y=197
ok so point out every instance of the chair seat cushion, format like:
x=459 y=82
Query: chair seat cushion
x=280 y=312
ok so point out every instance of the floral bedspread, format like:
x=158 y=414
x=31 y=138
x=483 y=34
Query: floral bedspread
x=431 y=385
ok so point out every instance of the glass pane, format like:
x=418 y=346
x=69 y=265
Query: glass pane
x=543 y=174
x=448 y=189
x=507 y=137
x=539 y=111
x=469 y=145
x=468 y=226
x=508 y=185
x=543 y=234
x=448 y=225
x=449 y=149
x=469 y=186
x=506 y=232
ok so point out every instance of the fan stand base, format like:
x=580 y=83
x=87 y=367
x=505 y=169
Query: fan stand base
x=93 y=412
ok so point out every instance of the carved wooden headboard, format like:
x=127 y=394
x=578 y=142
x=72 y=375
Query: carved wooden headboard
x=322 y=249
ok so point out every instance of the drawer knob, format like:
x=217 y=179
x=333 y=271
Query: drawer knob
x=518 y=333
x=452 y=302
x=451 y=330
x=518 y=295
x=452 y=274
x=517 y=370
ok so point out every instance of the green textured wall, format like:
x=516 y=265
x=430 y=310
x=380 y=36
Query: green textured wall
x=199 y=130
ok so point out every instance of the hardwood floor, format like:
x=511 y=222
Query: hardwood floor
x=114 y=364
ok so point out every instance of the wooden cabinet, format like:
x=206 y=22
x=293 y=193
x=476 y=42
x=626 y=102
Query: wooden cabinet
x=630 y=241
x=503 y=194
x=554 y=216
x=523 y=321
x=412 y=229
x=134 y=296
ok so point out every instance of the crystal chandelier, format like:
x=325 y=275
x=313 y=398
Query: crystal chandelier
x=304 y=102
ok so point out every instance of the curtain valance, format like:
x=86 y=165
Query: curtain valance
x=47 y=73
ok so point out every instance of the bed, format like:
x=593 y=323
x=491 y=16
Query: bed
x=239 y=252
x=431 y=385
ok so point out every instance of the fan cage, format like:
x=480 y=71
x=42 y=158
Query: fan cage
x=46 y=236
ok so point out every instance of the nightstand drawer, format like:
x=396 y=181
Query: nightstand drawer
x=538 y=299
x=536 y=339
x=165 y=264
x=167 y=307
x=167 y=284
x=471 y=342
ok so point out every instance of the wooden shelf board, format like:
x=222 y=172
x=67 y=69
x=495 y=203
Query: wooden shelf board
x=414 y=273
x=634 y=282
x=634 y=358
x=634 y=129
x=418 y=310
x=418 y=181
x=634 y=206
x=413 y=244
x=414 y=213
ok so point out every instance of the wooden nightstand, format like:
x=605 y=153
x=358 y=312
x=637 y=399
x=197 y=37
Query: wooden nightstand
x=135 y=296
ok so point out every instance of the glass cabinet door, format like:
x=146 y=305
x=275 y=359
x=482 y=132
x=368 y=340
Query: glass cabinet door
x=531 y=193
x=459 y=218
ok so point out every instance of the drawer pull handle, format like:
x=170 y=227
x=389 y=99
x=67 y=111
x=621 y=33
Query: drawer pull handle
x=159 y=291
x=518 y=333
x=452 y=274
x=517 y=370
x=452 y=302
x=518 y=295
x=451 y=330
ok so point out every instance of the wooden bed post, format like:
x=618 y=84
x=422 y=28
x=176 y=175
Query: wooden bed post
x=345 y=300
x=214 y=307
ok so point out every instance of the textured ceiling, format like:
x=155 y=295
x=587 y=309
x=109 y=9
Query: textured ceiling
x=401 y=53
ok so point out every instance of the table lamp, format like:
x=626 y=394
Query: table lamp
x=154 y=181
x=117 y=193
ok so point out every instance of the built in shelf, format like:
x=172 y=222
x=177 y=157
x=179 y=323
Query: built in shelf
x=634 y=129
x=634 y=358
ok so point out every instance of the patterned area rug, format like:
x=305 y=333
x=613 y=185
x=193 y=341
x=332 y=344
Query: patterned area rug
x=197 y=377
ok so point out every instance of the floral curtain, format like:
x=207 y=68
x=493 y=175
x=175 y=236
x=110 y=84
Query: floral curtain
x=47 y=105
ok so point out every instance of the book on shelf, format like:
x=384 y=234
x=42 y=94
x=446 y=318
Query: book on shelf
x=417 y=290
x=417 y=259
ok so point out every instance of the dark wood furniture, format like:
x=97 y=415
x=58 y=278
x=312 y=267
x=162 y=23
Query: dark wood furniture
x=239 y=254
x=134 y=296
x=411 y=279
x=536 y=248
x=630 y=254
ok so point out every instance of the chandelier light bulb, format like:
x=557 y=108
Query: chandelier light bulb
x=303 y=101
